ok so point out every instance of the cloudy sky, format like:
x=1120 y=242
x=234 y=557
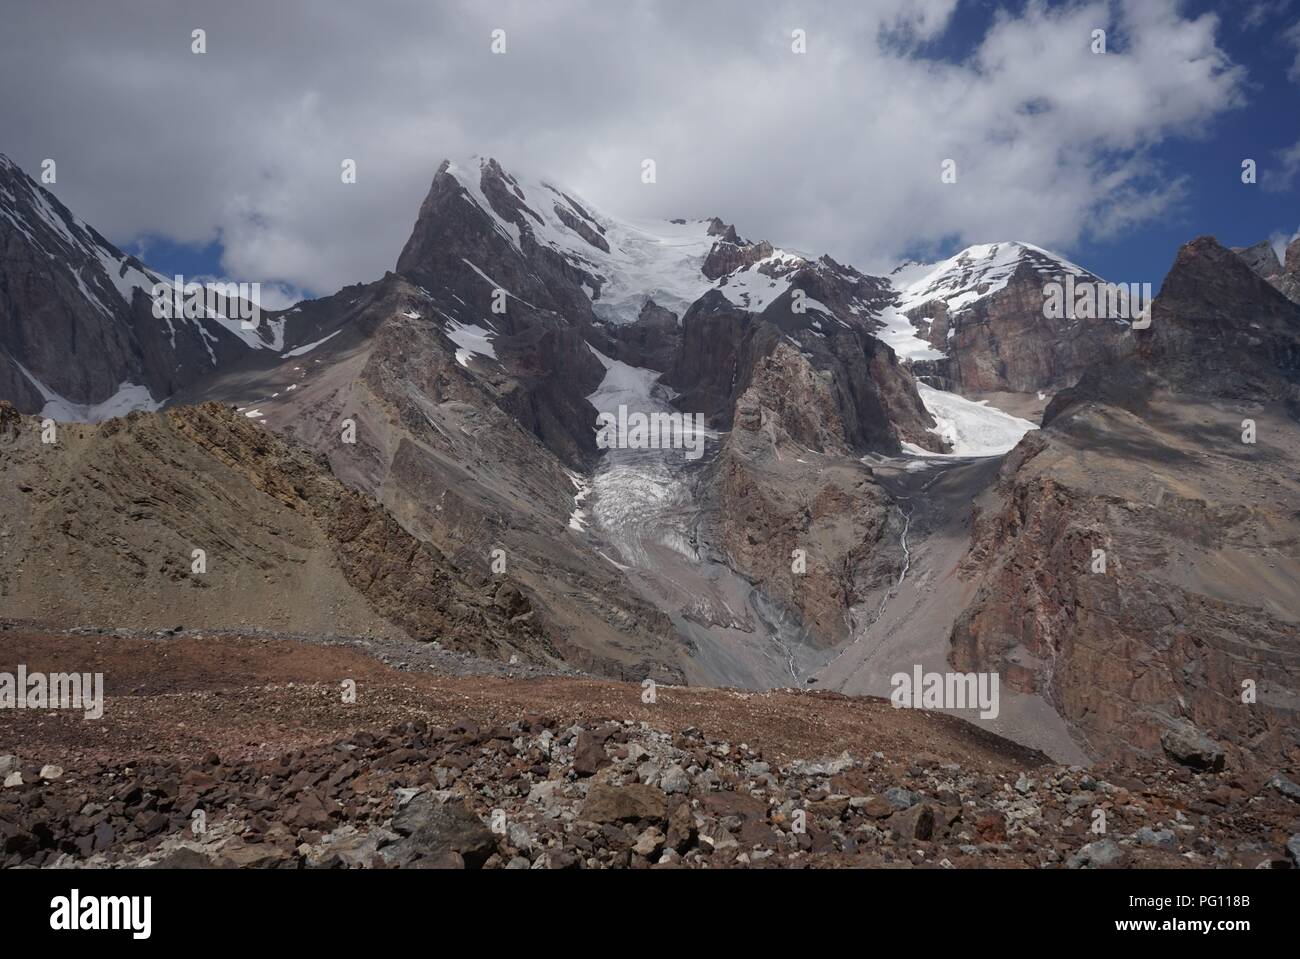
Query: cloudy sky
x=229 y=162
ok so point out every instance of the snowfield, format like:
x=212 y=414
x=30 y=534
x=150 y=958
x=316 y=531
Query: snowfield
x=973 y=429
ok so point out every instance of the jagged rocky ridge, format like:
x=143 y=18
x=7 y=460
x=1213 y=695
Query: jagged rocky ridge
x=77 y=332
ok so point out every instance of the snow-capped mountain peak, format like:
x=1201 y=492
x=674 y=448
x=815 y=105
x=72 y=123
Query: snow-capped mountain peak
x=84 y=341
x=629 y=260
x=974 y=273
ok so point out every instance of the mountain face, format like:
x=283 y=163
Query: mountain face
x=571 y=274
x=731 y=325
x=78 y=335
x=982 y=311
x=1217 y=329
x=1192 y=598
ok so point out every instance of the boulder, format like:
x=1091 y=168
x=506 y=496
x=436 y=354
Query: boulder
x=1105 y=853
x=588 y=755
x=915 y=822
x=634 y=802
x=432 y=830
x=1188 y=746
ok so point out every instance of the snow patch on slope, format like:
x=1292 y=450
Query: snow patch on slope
x=973 y=429
x=308 y=347
x=472 y=340
x=902 y=336
x=128 y=398
x=756 y=287
x=623 y=385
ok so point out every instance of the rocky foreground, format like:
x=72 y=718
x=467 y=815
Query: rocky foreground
x=427 y=770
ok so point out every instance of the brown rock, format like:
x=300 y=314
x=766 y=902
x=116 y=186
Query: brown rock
x=991 y=828
x=916 y=822
x=681 y=828
x=588 y=755
x=634 y=802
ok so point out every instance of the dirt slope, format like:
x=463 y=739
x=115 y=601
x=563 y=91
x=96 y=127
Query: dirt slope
x=101 y=525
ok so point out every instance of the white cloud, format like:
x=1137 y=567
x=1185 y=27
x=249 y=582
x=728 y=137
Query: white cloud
x=1282 y=176
x=1291 y=37
x=837 y=150
x=1281 y=240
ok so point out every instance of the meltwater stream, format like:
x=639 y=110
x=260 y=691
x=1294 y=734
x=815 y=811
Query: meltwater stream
x=643 y=505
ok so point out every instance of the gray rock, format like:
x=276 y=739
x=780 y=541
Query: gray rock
x=547 y=793
x=519 y=837
x=1283 y=785
x=14 y=779
x=8 y=764
x=1160 y=839
x=829 y=767
x=432 y=830
x=1188 y=746
x=1097 y=855
x=718 y=838
x=675 y=780
x=635 y=753
x=346 y=846
x=900 y=798
x=50 y=771
x=1293 y=849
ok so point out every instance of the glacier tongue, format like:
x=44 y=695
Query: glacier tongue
x=643 y=502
